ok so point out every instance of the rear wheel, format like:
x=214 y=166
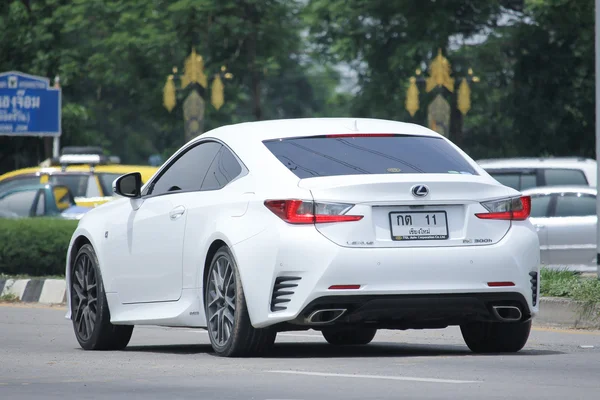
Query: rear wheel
x=349 y=336
x=89 y=308
x=228 y=322
x=496 y=337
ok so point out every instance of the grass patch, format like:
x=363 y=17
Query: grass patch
x=9 y=298
x=35 y=246
x=563 y=283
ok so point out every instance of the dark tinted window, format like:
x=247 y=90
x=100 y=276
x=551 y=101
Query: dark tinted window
x=20 y=181
x=41 y=205
x=528 y=181
x=326 y=156
x=516 y=180
x=188 y=171
x=106 y=181
x=539 y=205
x=575 y=205
x=559 y=177
x=224 y=168
x=77 y=183
x=510 y=180
x=19 y=203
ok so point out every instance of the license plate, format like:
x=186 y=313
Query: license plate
x=419 y=225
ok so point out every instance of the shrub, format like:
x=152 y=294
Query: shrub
x=34 y=246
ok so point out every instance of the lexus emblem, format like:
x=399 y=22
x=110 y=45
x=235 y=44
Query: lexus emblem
x=420 y=190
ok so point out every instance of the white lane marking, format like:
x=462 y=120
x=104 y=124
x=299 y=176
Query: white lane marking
x=393 y=378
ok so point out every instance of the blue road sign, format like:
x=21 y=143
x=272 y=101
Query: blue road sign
x=28 y=105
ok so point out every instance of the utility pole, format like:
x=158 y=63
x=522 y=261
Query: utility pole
x=597 y=134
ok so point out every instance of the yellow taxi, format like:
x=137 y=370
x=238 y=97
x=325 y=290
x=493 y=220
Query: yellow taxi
x=88 y=176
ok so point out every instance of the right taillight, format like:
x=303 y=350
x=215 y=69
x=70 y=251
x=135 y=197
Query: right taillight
x=309 y=212
x=516 y=209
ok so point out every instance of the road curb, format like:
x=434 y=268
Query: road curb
x=44 y=291
x=554 y=311
x=567 y=313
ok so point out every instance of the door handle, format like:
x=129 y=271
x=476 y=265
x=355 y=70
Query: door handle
x=539 y=227
x=176 y=212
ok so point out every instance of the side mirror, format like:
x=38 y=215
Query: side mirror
x=63 y=197
x=128 y=185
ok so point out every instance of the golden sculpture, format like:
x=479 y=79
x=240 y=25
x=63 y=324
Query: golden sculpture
x=439 y=73
x=464 y=97
x=412 y=97
x=217 y=95
x=169 y=92
x=194 y=74
x=439 y=111
x=438 y=115
x=194 y=71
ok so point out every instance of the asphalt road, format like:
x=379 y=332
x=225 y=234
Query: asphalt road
x=40 y=359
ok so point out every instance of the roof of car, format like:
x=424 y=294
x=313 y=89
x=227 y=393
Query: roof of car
x=559 y=189
x=24 y=188
x=290 y=128
x=146 y=170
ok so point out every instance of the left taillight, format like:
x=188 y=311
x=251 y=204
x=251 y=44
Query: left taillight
x=309 y=212
x=514 y=209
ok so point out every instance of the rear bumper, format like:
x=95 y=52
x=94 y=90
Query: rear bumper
x=440 y=281
x=411 y=311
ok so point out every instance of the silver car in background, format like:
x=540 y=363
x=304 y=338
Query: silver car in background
x=526 y=173
x=565 y=219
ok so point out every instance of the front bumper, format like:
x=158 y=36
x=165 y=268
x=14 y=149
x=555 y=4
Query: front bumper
x=442 y=273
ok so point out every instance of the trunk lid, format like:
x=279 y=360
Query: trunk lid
x=395 y=217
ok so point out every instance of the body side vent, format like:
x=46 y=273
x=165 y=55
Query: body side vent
x=282 y=291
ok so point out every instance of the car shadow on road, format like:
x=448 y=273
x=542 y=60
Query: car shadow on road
x=172 y=349
x=324 y=350
x=381 y=349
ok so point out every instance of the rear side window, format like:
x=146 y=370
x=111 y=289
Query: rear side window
x=558 y=177
x=370 y=154
x=106 y=180
x=188 y=171
x=19 y=181
x=575 y=205
x=77 y=183
x=19 y=203
x=510 y=180
x=539 y=205
x=223 y=170
x=516 y=180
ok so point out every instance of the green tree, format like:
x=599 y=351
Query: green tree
x=385 y=41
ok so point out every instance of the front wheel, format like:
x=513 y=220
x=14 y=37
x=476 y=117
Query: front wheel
x=496 y=337
x=89 y=307
x=349 y=336
x=228 y=322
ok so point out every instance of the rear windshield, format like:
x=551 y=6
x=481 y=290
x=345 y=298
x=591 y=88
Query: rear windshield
x=373 y=154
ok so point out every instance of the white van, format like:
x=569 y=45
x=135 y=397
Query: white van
x=524 y=173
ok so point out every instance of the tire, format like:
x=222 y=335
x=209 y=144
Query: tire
x=89 y=309
x=229 y=328
x=349 y=336
x=496 y=337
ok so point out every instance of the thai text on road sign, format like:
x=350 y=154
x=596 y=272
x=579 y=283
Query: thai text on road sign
x=29 y=106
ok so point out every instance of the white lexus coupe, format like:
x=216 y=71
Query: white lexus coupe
x=344 y=226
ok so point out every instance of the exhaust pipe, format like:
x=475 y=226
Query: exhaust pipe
x=508 y=313
x=325 y=316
